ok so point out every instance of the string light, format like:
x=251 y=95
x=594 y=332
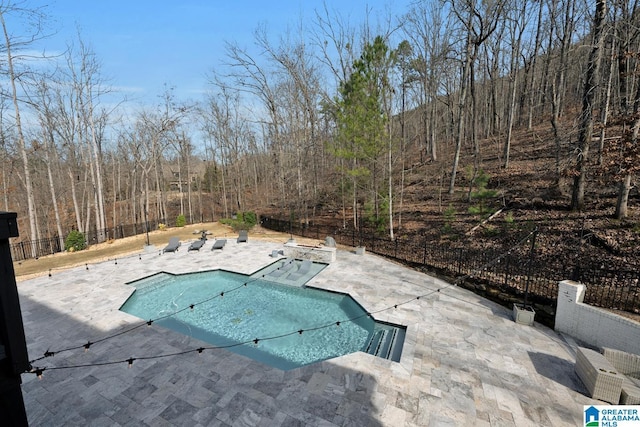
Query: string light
x=39 y=371
x=200 y=349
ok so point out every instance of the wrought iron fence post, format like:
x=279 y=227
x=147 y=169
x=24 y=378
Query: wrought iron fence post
x=506 y=270
x=424 y=253
x=530 y=268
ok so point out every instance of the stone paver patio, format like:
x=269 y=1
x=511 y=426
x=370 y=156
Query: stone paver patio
x=465 y=362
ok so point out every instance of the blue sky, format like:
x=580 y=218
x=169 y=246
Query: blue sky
x=144 y=44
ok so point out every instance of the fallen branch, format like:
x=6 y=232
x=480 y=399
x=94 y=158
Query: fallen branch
x=495 y=214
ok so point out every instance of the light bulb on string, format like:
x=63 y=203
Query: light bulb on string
x=130 y=362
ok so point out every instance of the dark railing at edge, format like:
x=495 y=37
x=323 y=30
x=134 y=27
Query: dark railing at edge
x=492 y=273
x=29 y=249
x=612 y=286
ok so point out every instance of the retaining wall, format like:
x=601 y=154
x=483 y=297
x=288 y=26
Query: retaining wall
x=594 y=326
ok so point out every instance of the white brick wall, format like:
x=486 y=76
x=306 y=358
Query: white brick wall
x=593 y=326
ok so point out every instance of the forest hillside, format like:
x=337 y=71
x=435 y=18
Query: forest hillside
x=462 y=122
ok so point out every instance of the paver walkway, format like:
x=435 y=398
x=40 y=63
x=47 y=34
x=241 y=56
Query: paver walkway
x=465 y=362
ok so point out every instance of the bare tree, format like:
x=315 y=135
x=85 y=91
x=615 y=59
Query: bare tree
x=300 y=96
x=14 y=44
x=479 y=21
x=518 y=21
x=430 y=32
x=46 y=117
x=591 y=85
x=253 y=78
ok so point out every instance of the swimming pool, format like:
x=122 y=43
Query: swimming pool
x=261 y=309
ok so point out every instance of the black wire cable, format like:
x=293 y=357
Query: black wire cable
x=39 y=370
x=89 y=343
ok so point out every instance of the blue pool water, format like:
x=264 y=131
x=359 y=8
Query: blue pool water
x=261 y=309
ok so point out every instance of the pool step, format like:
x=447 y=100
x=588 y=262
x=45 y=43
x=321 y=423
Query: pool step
x=386 y=342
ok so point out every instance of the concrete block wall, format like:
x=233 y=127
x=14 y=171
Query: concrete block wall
x=593 y=326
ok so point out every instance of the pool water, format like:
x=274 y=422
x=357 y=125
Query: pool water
x=261 y=309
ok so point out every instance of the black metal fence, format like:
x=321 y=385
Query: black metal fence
x=35 y=248
x=29 y=249
x=612 y=285
x=510 y=271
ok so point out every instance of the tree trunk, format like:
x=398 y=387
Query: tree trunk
x=461 y=110
x=586 y=118
x=534 y=98
x=623 y=197
x=604 y=112
x=52 y=190
x=20 y=136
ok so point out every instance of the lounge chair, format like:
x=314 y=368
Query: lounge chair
x=196 y=245
x=243 y=237
x=174 y=244
x=218 y=244
x=284 y=268
x=302 y=270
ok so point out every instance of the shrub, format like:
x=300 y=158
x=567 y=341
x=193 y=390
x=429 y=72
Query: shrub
x=162 y=226
x=509 y=218
x=181 y=221
x=482 y=194
x=449 y=217
x=241 y=221
x=250 y=218
x=490 y=231
x=373 y=218
x=75 y=241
